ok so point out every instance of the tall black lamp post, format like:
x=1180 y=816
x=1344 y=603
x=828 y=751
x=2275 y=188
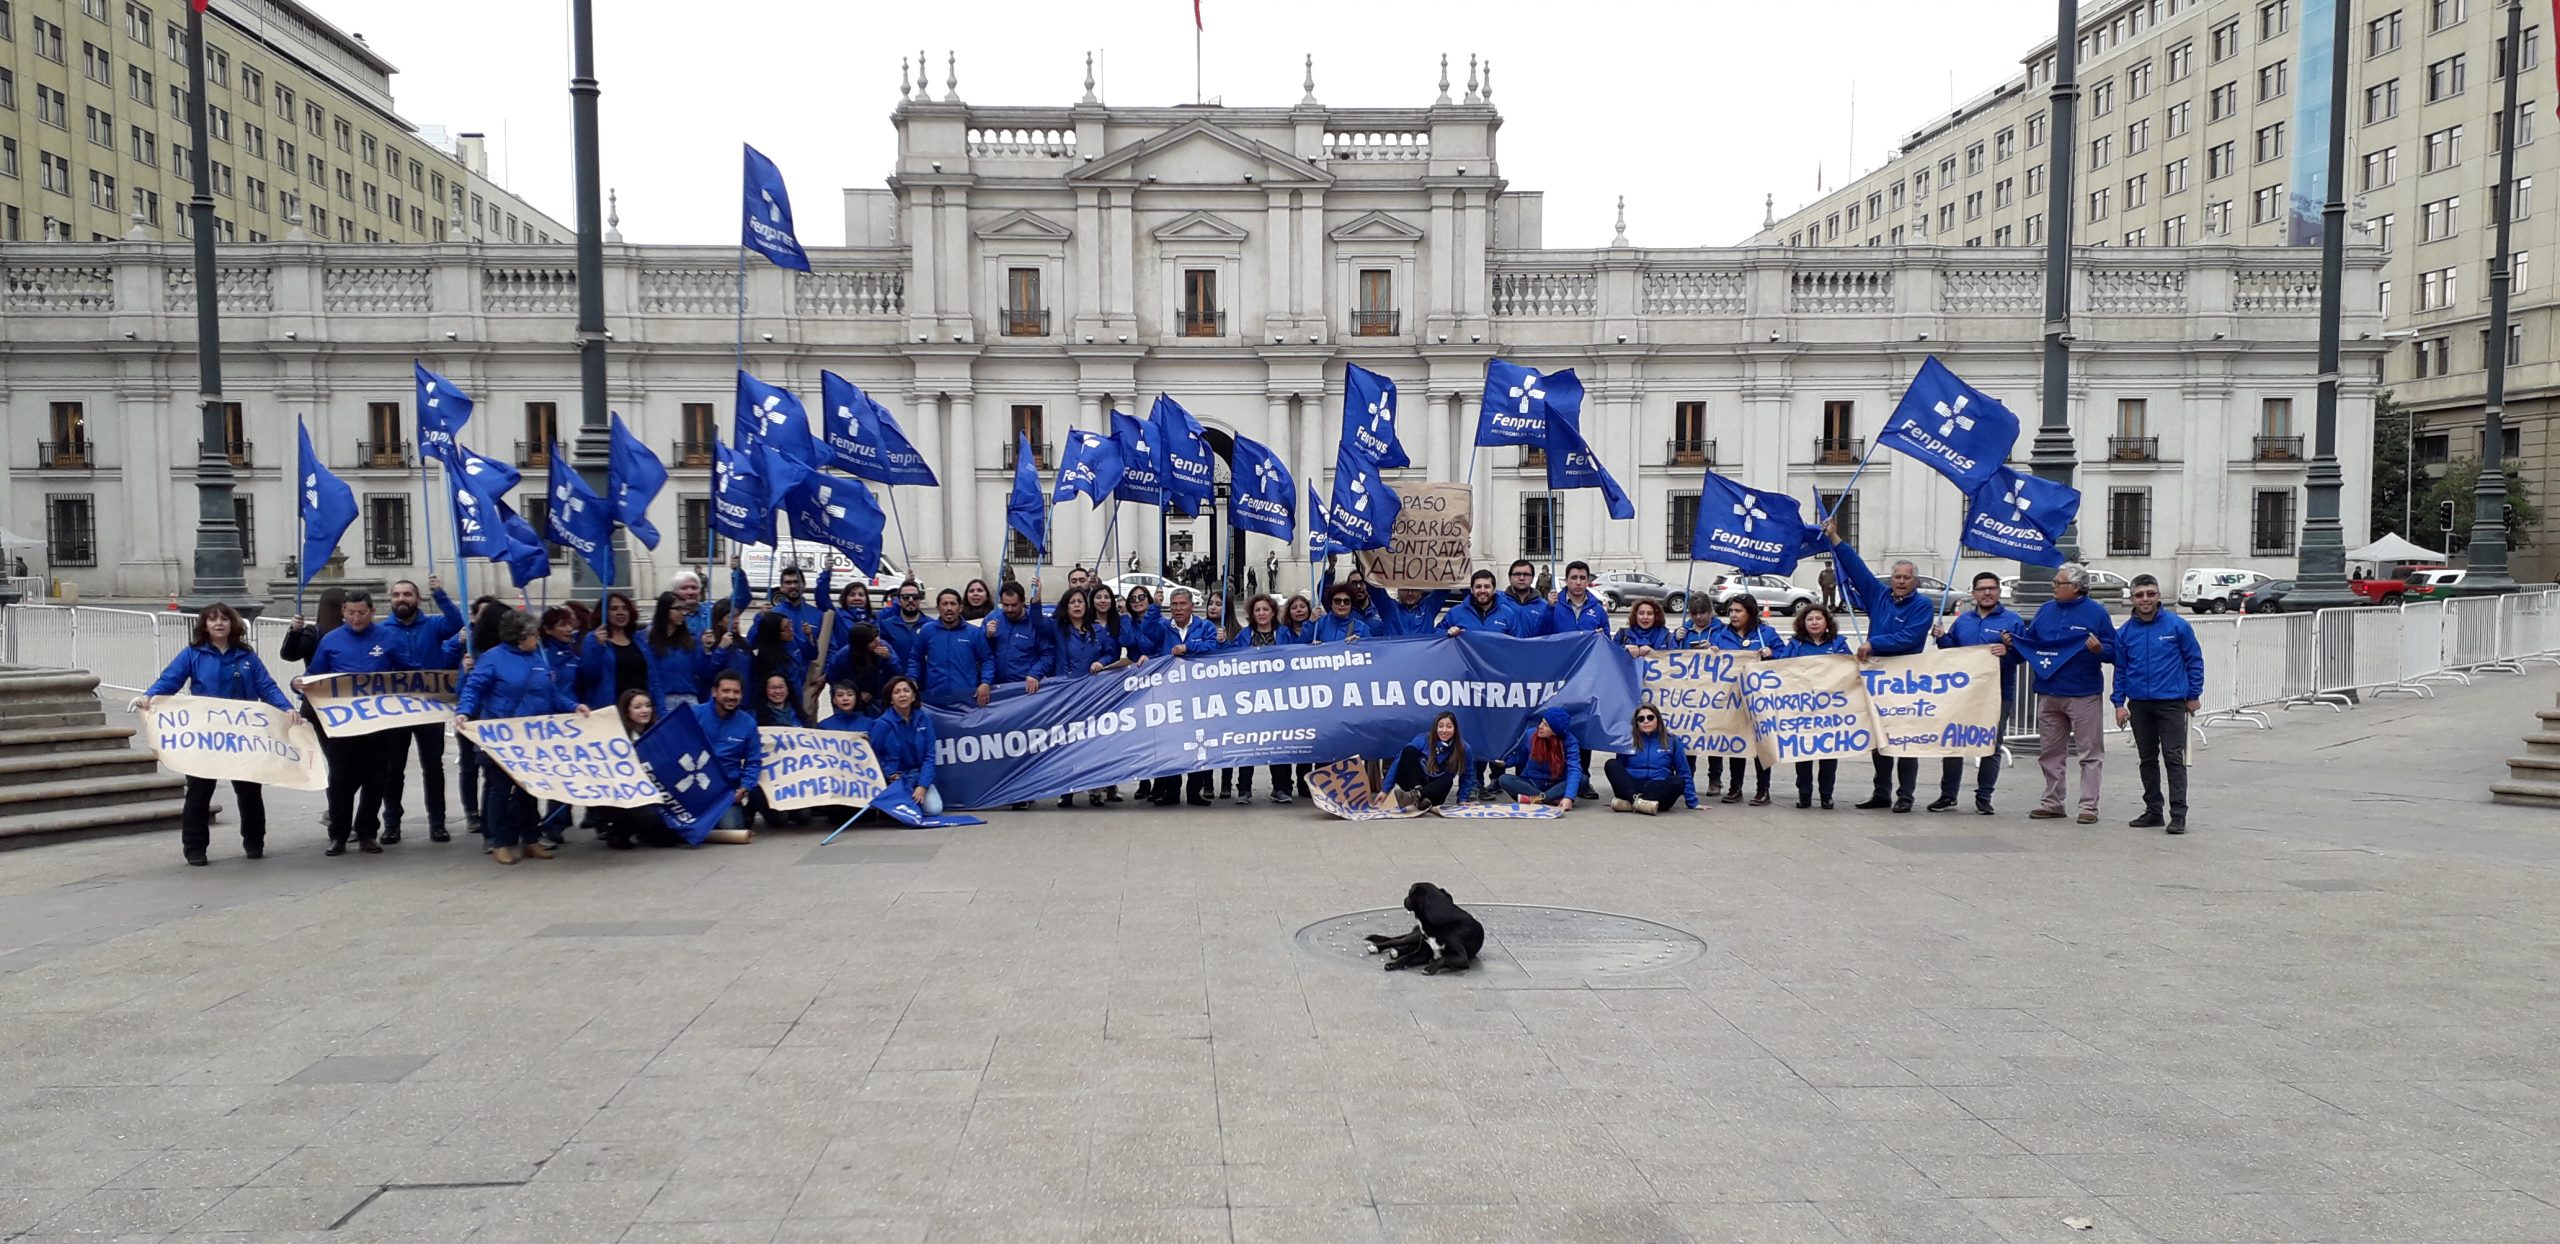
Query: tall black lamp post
x=219 y=577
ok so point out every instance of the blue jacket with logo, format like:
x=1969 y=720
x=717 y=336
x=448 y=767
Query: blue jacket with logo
x=952 y=661
x=1079 y=651
x=2057 y=625
x=507 y=681
x=1563 y=618
x=420 y=641
x=1895 y=628
x=904 y=637
x=2159 y=659
x=1518 y=758
x=347 y=650
x=734 y=741
x=1976 y=629
x=1660 y=756
x=598 y=666
x=1437 y=758
x=1656 y=637
x=904 y=746
x=1330 y=629
x=1834 y=646
x=1024 y=650
x=233 y=673
x=1721 y=635
x=1500 y=619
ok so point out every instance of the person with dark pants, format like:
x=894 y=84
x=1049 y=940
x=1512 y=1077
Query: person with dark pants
x=1987 y=625
x=1261 y=629
x=364 y=770
x=418 y=637
x=2159 y=683
x=1898 y=622
x=1545 y=766
x=1656 y=772
x=513 y=679
x=1433 y=769
x=1816 y=635
x=1741 y=630
x=218 y=663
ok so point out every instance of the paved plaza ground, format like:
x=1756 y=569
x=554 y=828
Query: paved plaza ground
x=2328 y=1014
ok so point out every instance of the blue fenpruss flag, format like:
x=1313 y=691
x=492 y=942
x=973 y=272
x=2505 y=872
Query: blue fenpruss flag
x=475 y=485
x=740 y=507
x=1957 y=430
x=327 y=505
x=1753 y=530
x=864 y=440
x=577 y=519
x=1141 y=460
x=633 y=476
x=1518 y=401
x=840 y=513
x=2020 y=516
x=773 y=429
x=1090 y=466
x=528 y=558
x=442 y=410
x=696 y=790
x=1364 y=509
x=1369 y=418
x=1023 y=510
x=1264 y=498
x=1189 y=479
x=766 y=226
x=1571 y=464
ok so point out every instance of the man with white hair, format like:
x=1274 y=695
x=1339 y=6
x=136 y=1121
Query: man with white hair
x=2067 y=643
x=1898 y=623
x=688 y=588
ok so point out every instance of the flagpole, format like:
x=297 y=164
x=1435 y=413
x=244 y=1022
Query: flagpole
x=461 y=564
x=426 y=497
x=301 y=529
x=1948 y=592
x=900 y=520
x=711 y=545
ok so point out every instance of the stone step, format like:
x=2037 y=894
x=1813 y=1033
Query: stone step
x=2526 y=794
x=2547 y=714
x=2535 y=768
x=2542 y=743
x=72 y=795
x=51 y=705
x=94 y=821
x=75 y=738
x=40 y=722
x=75 y=765
x=17 y=682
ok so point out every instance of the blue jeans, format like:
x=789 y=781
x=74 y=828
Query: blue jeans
x=932 y=801
x=506 y=813
x=1519 y=785
x=1986 y=776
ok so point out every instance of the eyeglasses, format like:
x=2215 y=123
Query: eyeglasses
x=910 y=596
x=1645 y=717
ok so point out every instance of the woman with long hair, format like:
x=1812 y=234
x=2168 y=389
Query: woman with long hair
x=219 y=664
x=1816 y=635
x=625 y=828
x=1114 y=627
x=1545 y=766
x=977 y=601
x=614 y=657
x=1261 y=630
x=863 y=663
x=512 y=679
x=675 y=655
x=1644 y=634
x=1655 y=772
x=1085 y=649
x=1741 y=630
x=1433 y=769
x=777 y=705
x=1298 y=620
x=902 y=738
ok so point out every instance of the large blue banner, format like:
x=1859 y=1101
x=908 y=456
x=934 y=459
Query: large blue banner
x=1291 y=705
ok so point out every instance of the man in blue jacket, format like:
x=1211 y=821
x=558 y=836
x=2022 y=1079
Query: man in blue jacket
x=735 y=745
x=1898 y=622
x=789 y=599
x=953 y=663
x=1025 y=646
x=364 y=769
x=904 y=626
x=1576 y=609
x=419 y=637
x=2067 y=642
x=1989 y=624
x=1480 y=610
x=2159 y=683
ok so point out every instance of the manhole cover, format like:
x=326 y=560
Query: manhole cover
x=1525 y=945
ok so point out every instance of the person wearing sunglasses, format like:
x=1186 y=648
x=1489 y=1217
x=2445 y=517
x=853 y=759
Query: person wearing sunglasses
x=1654 y=772
x=904 y=626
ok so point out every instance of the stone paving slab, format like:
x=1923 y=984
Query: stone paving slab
x=2322 y=1016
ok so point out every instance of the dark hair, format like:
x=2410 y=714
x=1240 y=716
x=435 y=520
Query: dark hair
x=1012 y=590
x=730 y=676
x=356 y=596
x=1339 y=593
x=1750 y=605
x=791 y=571
x=558 y=614
x=330 y=600
x=605 y=622
x=952 y=592
x=1262 y=598
x=239 y=627
x=1994 y=576
x=2143 y=580
x=667 y=630
x=623 y=702
x=1647 y=603
x=485 y=628
x=1661 y=728
x=889 y=693
x=1457 y=740
x=1570 y=567
x=769 y=648
x=411 y=584
x=858 y=651
x=1296 y=599
x=1066 y=605
x=858 y=585
x=1485 y=575
x=1525 y=564
x=1106 y=607
x=1830 y=625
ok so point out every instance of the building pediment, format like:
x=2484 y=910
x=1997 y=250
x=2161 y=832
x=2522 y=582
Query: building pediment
x=1199 y=227
x=1024 y=227
x=1375 y=227
x=1201 y=153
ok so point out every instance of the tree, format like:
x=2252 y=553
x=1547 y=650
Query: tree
x=2460 y=476
x=2391 y=511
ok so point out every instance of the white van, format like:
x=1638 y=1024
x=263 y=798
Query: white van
x=2207 y=589
x=763 y=564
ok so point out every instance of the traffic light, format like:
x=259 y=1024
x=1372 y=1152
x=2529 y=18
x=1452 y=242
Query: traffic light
x=2444 y=516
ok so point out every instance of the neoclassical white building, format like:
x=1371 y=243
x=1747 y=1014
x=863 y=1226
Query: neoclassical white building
x=1036 y=267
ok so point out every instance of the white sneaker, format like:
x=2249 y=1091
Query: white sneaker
x=1621 y=805
x=1648 y=807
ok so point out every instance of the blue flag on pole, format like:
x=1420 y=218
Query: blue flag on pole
x=1518 y=401
x=2020 y=516
x=1091 y=466
x=1959 y=431
x=1571 y=465
x=694 y=790
x=1752 y=530
x=1023 y=509
x=328 y=508
x=766 y=228
x=478 y=485
x=740 y=508
x=1369 y=417
x=1363 y=514
x=1265 y=498
x=864 y=440
x=442 y=410
x=577 y=519
x=840 y=513
x=1319 y=526
x=1189 y=479
x=528 y=559
x=633 y=476
x=773 y=429
x=1141 y=460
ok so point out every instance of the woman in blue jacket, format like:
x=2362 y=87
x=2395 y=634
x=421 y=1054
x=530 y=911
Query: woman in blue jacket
x=1298 y=620
x=1545 y=766
x=1261 y=636
x=675 y=656
x=1648 y=778
x=219 y=664
x=1434 y=769
x=902 y=738
x=1816 y=635
x=1644 y=634
x=1741 y=630
x=513 y=679
x=614 y=657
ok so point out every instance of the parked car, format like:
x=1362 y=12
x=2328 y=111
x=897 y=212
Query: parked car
x=1775 y=592
x=2433 y=584
x=2267 y=597
x=764 y=563
x=1157 y=586
x=1961 y=598
x=1619 y=589
x=2207 y=589
x=2231 y=595
x=2390 y=583
x=2104 y=585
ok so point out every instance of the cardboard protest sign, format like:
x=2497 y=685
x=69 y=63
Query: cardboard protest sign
x=1498 y=812
x=1427 y=548
x=355 y=704
x=1809 y=708
x=1343 y=789
x=235 y=741
x=1938 y=702
x=806 y=768
x=1699 y=693
x=580 y=759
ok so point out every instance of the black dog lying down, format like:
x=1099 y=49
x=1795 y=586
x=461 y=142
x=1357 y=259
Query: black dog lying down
x=1447 y=939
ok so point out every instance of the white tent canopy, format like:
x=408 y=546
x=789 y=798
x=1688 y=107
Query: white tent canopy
x=2392 y=548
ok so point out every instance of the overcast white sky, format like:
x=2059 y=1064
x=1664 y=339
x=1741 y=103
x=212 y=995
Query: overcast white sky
x=1693 y=109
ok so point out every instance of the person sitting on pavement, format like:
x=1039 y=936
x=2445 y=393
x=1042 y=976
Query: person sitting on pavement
x=1545 y=765
x=1656 y=772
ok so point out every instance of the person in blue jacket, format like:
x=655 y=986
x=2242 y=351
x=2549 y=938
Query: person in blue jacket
x=1298 y=619
x=1411 y=611
x=902 y=739
x=1087 y=648
x=1702 y=622
x=904 y=626
x=1528 y=607
x=1575 y=608
x=953 y=664
x=614 y=657
x=2159 y=684
x=790 y=599
x=419 y=637
x=1989 y=624
x=1142 y=630
x=219 y=664
x=865 y=664
x=735 y=746
x=1816 y=634
x=1365 y=604
x=1741 y=630
x=1025 y=645
x=2075 y=634
x=1340 y=623
x=1261 y=636
x=674 y=655
x=1656 y=772
x=1545 y=766
x=1644 y=634
x=364 y=770
x=1481 y=611
x=1186 y=635
x=1898 y=623
x=1434 y=768
x=514 y=679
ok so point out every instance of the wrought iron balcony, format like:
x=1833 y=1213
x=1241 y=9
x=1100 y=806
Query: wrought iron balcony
x=1039 y=455
x=1204 y=323
x=697 y=454
x=74 y=455
x=237 y=451
x=2276 y=448
x=1838 y=450
x=1026 y=322
x=533 y=453
x=382 y=454
x=2133 y=449
x=1689 y=453
x=1375 y=323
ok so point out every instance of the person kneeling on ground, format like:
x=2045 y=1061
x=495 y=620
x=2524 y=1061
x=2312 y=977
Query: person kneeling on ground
x=1432 y=765
x=626 y=828
x=1648 y=778
x=903 y=741
x=1545 y=766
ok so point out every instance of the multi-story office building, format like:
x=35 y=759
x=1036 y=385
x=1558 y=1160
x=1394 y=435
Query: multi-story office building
x=94 y=135
x=2192 y=131
x=1029 y=269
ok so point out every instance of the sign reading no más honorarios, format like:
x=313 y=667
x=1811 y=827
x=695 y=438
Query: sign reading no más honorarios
x=1428 y=547
x=235 y=741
